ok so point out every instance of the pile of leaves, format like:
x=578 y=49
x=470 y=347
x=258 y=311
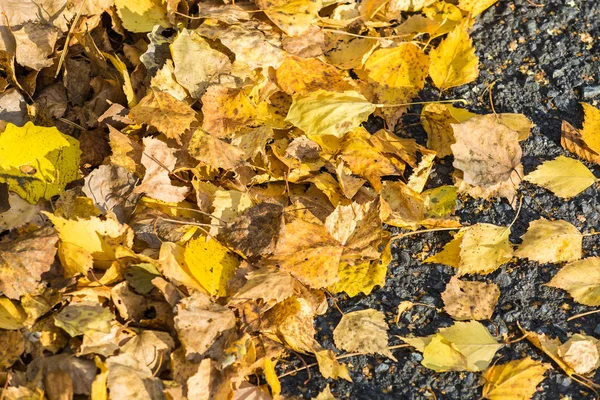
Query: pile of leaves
x=184 y=182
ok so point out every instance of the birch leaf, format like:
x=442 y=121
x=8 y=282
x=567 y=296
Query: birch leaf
x=551 y=242
x=563 y=176
x=516 y=379
x=581 y=279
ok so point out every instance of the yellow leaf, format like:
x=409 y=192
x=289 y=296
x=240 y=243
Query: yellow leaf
x=89 y=242
x=127 y=86
x=484 y=248
x=563 y=176
x=581 y=279
x=226 y=111
x=517 y=122
x=12 y=315
x=268 y=283
x=571 y=140
x=348 y=52
x=329 y=113
x=211 y=264
x=454 y=62
x=304 y=75
x=410 y=5
x=294 y=17
x=515 y=380
x=164 y=112
x=465 y=300
x=329 y=367
x=439 y=355
x=214 y=152
x=475 y=7
x=397 y=73
x=450 y=254
x=361 y=278
x=197 y=64
x=291 y=323
x=80 y=318
x=551 y=242
x=590 y=133
x=271 y=376
x=142 y=15
x=436 y=120
x=37 y=162
x=363 y=331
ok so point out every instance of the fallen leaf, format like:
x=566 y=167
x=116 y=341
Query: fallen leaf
x=267 y=283
x=197 y=63
x=214 y=152
x=477 y=249
x=24 y=261
x=454 y=62
x=565 y=177
x=591 y=123
x=307 y=251
x=517 y=379
x=12 y=315
x=159 y=160
x=465 y=300
x=475 y=7
x=12 y=346
x=291 y=323
x=164 y=112
x=293 y=17
x=572 y=141
x=211 y=264
x=37 y=162
x=142 y=15
x=79 y=318
x=199 y=322
x=208 y=382
x=88 y=243
x=437 y=120
x=329 y=113
x=581 y=279
x=582 y=353
x=304 y=75
x=551 y=242
x=329 y=366
x=486 y=151
x=227 y=111
x=325 y=394
x=363 y=331
x=464 y=346
x=35 y=43
x=129 y=378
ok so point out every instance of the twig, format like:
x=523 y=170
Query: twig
x=582 y=315
x=463 y=101
x=398 y=346
x=403 y=235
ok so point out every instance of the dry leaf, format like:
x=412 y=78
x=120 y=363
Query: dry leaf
x=572 y=141
x=565 y=177
x=486 y=151
x=551 y=242
x=465 y=300
x=164 y=112
x=330 y=367
x=363 y=331
x=475 y=7
x=437 y=120
x=582 y=353
x=25 y=260
x=129 y=378
x=305 y=75
x=516 y=379
x=293 y=17
x=267 y=283
x=581 y=279
x=214 y=152
x=159 y=161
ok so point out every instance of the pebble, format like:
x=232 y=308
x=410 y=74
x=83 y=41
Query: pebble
x=597 y=329
x=381 y=368
x=416 y=357
x=563 y=380
x=591 y=91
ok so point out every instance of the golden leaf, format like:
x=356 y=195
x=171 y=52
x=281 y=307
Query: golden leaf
x=571 y=140
x=515 y=380
x=294 y=17
x=363 y=331
x=329 y=367
x=164 y=112
x=454 y=62
x=437 y=120
x=142 y=15
x=591 y=127
x=305 y=75
x=475 y=7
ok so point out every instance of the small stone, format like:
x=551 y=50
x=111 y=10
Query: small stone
x=563 y=380
x=381 y=368
x=597 y=329
x=416 y=357
x=591 y=91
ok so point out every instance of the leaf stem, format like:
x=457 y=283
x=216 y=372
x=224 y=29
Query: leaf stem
x=402 y=235
x=582 y=315
x=463 y=101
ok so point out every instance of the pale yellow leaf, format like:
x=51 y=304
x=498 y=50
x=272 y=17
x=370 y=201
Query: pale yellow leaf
x=551 y=242
x=142 y=15
x=581 y=279
x=565 y=177
x=363 y=331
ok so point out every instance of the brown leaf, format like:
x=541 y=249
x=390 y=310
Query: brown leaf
x=214 y=152
x=465 y=300
x=159 y=160
x=25 y=260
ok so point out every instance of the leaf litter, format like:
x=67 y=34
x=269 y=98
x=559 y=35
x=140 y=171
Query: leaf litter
x=196 y=181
